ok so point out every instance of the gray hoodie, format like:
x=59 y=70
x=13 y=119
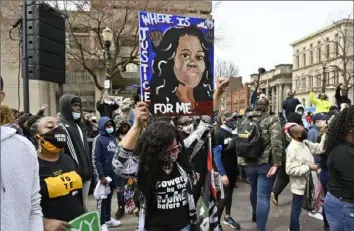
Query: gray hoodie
x=20 y=197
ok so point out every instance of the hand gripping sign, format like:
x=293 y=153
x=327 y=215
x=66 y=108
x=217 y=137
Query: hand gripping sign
x=176 y=64
x=86 y=222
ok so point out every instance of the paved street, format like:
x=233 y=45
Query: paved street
x=241 y=211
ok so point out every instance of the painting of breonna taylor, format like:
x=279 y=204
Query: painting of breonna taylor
x=176 y=64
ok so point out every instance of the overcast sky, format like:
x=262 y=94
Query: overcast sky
x=258 y=34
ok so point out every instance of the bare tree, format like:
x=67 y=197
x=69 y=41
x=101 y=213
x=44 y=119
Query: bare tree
x=84 y=29
x=225 y=68
x=338 y=55
x=10 y=39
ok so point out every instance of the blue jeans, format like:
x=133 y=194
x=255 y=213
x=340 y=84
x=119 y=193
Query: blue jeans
x=340 y=214
x=187 y=228
x=261 y=188
x=295 y=212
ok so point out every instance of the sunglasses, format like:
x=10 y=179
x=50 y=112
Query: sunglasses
x=172 y=153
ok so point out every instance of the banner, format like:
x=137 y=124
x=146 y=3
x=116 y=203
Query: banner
x=208 y=219
x=86 y=222
x=176 y=64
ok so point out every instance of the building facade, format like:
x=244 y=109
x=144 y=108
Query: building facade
x=275 y=84
x=324 y=59
x=236 y=96
x=78 y=81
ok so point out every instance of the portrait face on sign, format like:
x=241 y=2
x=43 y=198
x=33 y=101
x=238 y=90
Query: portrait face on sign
x=176 y=55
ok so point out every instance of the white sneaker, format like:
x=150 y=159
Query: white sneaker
x=113 y=223
x=317 y=216
x=104 y=227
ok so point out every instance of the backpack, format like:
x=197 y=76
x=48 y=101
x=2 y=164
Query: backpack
x=249 y=143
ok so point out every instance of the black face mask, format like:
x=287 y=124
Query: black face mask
x=56 y=137
x=303 y=136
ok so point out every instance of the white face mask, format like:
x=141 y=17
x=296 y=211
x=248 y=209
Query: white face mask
x=188 y=129
x=300 y=112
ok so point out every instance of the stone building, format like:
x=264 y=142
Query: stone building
x=324 y=59
x=275 y=84
x=236 y=96
x=78 y=81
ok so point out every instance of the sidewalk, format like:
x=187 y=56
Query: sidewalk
x=278 y=220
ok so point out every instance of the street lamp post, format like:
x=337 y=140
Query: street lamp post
x=323 y=79
x=107 y=35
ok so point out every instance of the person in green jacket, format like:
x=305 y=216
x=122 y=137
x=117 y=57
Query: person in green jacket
x=321 y=103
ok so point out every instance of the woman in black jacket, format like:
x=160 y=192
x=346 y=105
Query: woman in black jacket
x=339 y=201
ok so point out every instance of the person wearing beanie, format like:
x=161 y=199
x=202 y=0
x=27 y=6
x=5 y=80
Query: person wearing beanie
x=300 y=109
x=319 y=121
x=289 y=105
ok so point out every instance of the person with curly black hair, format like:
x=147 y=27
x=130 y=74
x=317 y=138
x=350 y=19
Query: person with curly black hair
x=165 y=179
x=339 y=144
x=182 y=71
x=159 y=160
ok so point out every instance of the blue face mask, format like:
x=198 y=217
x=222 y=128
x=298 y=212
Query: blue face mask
x=76 y=115
x=110 y=130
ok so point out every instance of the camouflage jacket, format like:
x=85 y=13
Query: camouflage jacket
x=272 y=136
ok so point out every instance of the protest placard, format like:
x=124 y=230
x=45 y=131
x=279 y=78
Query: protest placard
x=176 y=64
x=87 y=222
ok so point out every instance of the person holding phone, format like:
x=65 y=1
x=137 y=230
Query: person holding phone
x=300 y=163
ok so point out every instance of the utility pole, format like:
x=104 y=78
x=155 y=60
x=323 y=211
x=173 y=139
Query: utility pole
x=25 y=77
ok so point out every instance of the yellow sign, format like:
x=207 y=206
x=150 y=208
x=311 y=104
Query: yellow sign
x=63 y=184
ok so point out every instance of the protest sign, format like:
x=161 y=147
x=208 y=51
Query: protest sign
x=86 y=222
x=176 y=64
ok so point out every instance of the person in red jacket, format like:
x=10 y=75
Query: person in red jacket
x=309 y=117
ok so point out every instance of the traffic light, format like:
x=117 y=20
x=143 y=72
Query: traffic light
x=45 y=43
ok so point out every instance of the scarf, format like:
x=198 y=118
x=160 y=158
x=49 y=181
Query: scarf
x=191 y=204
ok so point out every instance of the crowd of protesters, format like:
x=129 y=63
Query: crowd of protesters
x=157 y=166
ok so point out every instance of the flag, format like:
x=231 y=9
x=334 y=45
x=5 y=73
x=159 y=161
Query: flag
x=208 y=216
x=253 y=99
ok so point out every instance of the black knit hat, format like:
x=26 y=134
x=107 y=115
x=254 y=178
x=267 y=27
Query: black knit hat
x=295 y=118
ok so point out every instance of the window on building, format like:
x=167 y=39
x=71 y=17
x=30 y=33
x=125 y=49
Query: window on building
x=297 y=83
x=327 y=78
x=319 y=80
x=335 y=77
x=310 y=82
x=327 y=51
x=311 y=57
x=297 y=62
x=313 y=81
x=303 y=60
x=88 y=101
x=303 y=83
x=319 y=54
